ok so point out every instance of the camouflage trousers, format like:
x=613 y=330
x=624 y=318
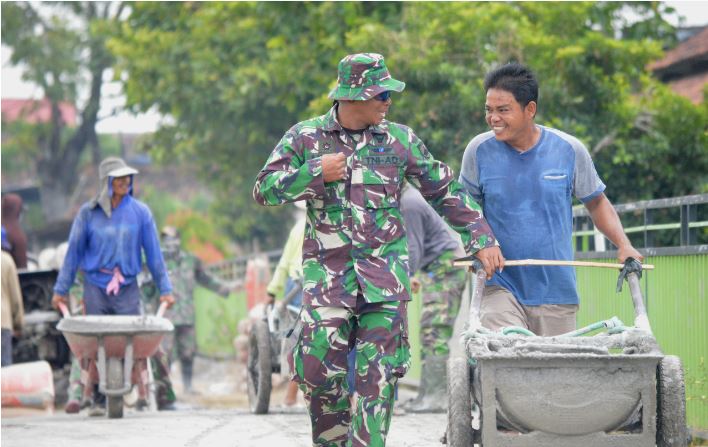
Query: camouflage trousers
x=379 y=334
x=442 y=286
x=181 y=344
x=161 y=374
x=76 y=388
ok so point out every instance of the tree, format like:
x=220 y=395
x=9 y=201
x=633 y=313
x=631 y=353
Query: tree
x=236 y=76
x=62 y=47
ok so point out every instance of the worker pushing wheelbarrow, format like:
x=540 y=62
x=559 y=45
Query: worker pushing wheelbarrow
x=513 y=388
x=114 y=350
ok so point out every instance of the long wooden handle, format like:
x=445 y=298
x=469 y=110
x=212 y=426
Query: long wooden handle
x=519 y=262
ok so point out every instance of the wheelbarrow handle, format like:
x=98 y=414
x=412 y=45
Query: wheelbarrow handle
x=161 y=310
x=64 y=310
x=632 y=272
x=479 y=279
x=467 y=262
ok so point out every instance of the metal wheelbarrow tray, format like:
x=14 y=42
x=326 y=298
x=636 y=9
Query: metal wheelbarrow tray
x=115 y=343
x=612 y=389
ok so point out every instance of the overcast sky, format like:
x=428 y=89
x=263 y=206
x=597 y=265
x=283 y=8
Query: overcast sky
x=694 y=12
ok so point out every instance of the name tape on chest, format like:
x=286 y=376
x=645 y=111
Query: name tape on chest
x=381 y=160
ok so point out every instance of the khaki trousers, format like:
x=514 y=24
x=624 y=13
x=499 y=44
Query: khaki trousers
x=501 y=309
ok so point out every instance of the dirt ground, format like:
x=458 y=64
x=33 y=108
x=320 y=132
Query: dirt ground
x=222 y=384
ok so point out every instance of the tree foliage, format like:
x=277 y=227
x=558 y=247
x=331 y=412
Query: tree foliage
x=62 y=49
x=235 y=76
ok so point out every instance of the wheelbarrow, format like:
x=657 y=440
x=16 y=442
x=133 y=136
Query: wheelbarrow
x=270 y=342
x=114 y=350
x=515 y=389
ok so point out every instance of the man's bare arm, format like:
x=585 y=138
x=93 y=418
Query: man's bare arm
x=608 y=222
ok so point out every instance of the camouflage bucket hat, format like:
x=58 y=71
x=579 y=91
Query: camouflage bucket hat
x=362 y=76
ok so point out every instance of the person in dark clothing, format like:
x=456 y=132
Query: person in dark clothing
x=11 y=212
x=431 y=250
x=12 y=307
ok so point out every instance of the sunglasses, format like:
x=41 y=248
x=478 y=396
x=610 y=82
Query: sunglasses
x=383 y=96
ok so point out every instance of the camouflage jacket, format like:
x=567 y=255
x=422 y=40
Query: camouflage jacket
x=185 y=271
x=354 y=237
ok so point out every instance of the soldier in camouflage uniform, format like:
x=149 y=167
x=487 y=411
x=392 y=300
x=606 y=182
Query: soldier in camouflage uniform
x=75 y=390
x=431 y=250
x=185 y=271
x=349 y=165
x=159 y=362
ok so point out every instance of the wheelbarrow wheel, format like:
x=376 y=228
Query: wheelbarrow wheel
x=671 y=404
x=259 y=368
x=459 y=411
x=114 y=381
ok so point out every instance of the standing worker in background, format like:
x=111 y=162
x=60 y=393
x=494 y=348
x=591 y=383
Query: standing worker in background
x=349 y=165
x=432 y=249
x=286 y=277
x=12 y=208
x=185 y=271
x=108 y=238
x=525 y=176
x=13 y=309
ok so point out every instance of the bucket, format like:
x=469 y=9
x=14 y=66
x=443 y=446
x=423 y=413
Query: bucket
x=27 y=385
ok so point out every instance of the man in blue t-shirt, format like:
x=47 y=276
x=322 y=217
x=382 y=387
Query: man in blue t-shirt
x=525 y=176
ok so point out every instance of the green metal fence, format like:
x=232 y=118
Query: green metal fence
x=675 y=295
x=672 y=234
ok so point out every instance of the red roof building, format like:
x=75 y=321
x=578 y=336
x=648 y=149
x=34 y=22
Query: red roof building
x=36 y=111
x=685 y=68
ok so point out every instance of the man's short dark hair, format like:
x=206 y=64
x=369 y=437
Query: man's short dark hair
x=515 y=79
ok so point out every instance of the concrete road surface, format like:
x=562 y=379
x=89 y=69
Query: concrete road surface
x=196 y=428
x=217 y=415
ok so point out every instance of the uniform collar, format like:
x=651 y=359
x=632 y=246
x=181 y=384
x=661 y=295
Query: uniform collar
x=331 y=123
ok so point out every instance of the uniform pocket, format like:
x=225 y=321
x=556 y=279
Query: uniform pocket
x=403 y=351
x=332 y=198
x=320 y=355
x=381 y=187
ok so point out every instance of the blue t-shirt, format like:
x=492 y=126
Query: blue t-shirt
x=527 y=200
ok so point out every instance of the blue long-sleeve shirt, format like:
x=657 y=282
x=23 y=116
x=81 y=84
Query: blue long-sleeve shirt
x=98 y=244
